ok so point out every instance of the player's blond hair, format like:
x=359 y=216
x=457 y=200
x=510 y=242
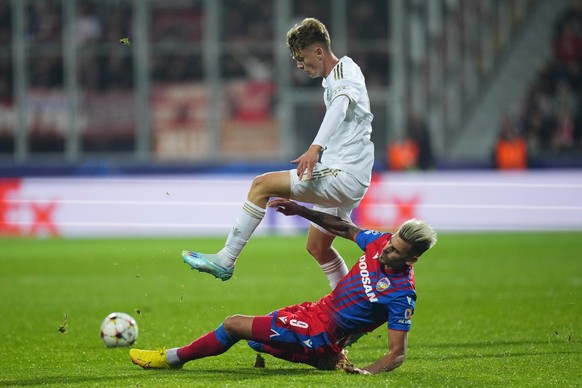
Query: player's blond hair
x=419 y=234
x=304 y=34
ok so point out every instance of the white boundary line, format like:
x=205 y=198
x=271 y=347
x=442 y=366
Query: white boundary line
x=221 y=203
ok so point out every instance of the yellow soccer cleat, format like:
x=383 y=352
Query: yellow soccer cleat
x=151 y=359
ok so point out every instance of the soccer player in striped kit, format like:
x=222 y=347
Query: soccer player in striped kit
x=378 y=289
x=334 y=183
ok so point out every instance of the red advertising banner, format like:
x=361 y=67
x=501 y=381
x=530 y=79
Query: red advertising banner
x=22 y=216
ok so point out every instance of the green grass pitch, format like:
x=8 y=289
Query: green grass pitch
x=499 y=309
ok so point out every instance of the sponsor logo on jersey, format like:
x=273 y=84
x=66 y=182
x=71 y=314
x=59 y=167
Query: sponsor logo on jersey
x=407 y=320
x=382 y=284
x=339 y=90
x=365 y=275
x=408 y=314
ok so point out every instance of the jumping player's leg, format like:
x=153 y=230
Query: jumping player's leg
x=221 y=264
x=319 y=245
x=334 y=192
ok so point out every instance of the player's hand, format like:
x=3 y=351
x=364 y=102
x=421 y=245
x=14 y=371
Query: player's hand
x=356 y=371
x=284 y=206
x=307 y=161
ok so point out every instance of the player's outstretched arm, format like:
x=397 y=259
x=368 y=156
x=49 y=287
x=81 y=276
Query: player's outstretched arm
x=334 y=116
x=333 y=224
x=397 y=342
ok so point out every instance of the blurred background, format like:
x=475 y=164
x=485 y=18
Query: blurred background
x=211 y=82
x=208 y=86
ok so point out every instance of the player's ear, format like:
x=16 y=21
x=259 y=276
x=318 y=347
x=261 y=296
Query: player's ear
x=319 y=52
x=412 y=260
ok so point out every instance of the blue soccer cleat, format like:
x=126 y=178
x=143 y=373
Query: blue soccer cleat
x=204 y=263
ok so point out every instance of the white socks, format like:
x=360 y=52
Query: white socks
x=244 y=226
x=172 y=356
x=335 y=270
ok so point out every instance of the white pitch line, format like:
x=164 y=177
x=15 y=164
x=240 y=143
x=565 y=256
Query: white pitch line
x=129 y=224
x=500 y=207
x=121 y=202
x=220 y=203
x=297 y=228
x=482 y=184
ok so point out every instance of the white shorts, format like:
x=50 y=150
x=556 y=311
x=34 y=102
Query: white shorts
x=330 y=190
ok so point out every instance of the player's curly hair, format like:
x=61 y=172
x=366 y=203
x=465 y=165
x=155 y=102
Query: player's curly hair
x=419 y=234
x=304 y=34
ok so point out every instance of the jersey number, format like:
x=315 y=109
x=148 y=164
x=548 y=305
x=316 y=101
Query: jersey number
x=296 y=323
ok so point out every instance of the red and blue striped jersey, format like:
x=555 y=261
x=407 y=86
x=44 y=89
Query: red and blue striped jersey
x=371 y=294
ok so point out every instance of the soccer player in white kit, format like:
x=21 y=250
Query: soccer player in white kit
x=333 y=174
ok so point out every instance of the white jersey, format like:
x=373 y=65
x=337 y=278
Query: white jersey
x=350 y=148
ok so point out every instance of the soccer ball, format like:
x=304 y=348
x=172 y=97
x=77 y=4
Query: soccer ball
x=118 y=329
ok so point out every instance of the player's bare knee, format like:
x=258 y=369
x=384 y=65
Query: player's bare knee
x=259 y=187
x=232 y=324
x=259 y=183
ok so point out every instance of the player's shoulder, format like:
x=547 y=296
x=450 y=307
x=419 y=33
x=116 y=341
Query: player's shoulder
x=366 y=237
x=346 y=69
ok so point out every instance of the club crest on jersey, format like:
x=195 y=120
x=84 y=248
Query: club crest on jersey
x=382 y=284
